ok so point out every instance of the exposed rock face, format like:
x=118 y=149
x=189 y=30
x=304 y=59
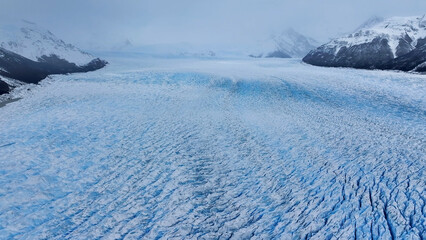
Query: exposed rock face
x=4 y=88
x=404 y=46
x=421 y=68
x=394 y=44
x=367 y=55
x=23 y=69
x=414 y=60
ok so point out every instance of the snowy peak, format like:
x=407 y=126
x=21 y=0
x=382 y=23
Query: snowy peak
x=33 y=42
x=294 y=43
x=400 y=32
x=29 y=53
x=397 y=43
x=288 y=43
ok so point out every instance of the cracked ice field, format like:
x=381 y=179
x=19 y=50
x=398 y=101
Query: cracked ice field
x=215 y=149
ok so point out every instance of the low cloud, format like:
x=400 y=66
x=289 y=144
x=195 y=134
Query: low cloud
x=104 y=23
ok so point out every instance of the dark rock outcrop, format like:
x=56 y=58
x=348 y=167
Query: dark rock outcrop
x=4 y=88
x=23 y=69
x=421 y=68
x=408 y=62
x=363 y=56
x=404 y=46
x=20 y=68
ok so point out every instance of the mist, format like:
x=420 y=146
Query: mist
x=96 y=24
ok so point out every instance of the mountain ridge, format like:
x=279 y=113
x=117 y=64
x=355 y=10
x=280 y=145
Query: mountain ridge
x=288 y=44
x=382 y=45
x=29 y=53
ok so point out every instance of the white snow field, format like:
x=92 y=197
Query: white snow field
x=215 y=149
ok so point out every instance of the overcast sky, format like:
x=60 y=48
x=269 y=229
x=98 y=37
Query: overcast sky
x=109 y=22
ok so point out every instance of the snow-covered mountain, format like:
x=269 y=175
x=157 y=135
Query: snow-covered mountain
x=288 y=44
x=33 y=42
x=29 y=53
x=395 y=43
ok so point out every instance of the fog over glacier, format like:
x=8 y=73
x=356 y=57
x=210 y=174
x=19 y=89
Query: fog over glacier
x=92 y=24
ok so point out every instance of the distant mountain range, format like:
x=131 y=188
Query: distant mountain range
x=397 y=43
x=288 y=44
x=29 y=53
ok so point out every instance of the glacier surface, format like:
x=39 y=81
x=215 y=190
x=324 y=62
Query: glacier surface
x=215 y=149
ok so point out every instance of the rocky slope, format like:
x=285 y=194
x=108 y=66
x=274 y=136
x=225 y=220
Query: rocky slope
x=29 y=54
x=17 y=67
x=396 y=43
x=288 y=44
x=4 y=87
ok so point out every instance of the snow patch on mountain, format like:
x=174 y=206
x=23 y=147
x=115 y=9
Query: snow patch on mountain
x=33 y=42
x=392 y=29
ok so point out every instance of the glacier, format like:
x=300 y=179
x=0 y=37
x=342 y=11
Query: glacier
x=151 y=148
